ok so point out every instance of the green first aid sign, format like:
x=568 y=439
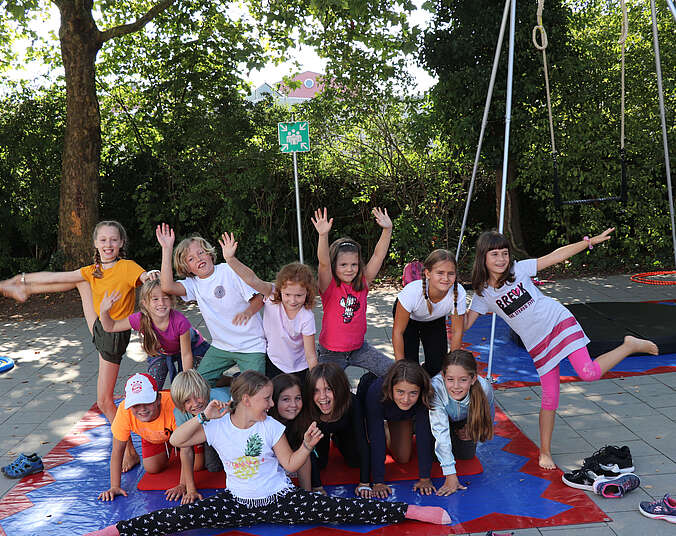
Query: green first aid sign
x=294 y=137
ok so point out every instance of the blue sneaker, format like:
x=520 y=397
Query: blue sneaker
x=24 y=465
x=613 y=487
x=664 y=509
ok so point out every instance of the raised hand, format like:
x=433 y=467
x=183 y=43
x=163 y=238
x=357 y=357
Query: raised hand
x=382 y=218
x=312 y=436
x=216 y=409
x=321 y=222
x=228 y=245
x=599 y=239
x=109 y=299
x=165 y=236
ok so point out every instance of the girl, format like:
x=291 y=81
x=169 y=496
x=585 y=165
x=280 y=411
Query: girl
x=191 y=394
x=402 y=399
x=548 y=330
x=344 y=283
x=462 y=414
x=167 y=333
x=288 y=404
x=255 y=454
x=420 y=312
x=339 y=416
x=228 y=305
x=110 y=272
x=288 y=322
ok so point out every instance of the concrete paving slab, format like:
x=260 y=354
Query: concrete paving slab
x=633 y=523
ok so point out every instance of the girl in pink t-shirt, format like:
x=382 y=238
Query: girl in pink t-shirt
x=288 y=322
x=168 y=338
x=344 y=282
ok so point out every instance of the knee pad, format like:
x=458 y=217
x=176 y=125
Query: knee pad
x=591 y=372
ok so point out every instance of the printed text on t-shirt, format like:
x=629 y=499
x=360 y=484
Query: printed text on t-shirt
x=515 y=300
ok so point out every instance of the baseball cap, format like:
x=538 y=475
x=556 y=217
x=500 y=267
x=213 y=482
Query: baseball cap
x=141 y=388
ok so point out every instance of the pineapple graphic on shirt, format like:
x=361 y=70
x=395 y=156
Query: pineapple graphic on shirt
x=247 y=466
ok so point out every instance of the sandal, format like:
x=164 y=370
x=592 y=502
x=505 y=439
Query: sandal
x=23 y=466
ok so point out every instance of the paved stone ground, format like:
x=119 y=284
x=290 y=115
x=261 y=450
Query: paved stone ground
x=54 y=384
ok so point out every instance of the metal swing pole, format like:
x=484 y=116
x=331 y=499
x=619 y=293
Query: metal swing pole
x=670 y=5
x=505 y=157
x=665 y=143
x=484 y=122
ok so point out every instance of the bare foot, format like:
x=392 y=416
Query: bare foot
x=130 y=460
x=14 y=288
x=546 y=462
x=641 y=346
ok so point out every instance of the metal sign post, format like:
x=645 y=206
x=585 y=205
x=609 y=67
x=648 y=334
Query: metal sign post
x=294 y=137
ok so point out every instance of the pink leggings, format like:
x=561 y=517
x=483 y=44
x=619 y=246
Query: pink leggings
x=587 y=370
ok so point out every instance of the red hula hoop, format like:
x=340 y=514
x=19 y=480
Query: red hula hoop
x=645 y=278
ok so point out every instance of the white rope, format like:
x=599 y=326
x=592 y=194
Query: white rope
x=542 y=45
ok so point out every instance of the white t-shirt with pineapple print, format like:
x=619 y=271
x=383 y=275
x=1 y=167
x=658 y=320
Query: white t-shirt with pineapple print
x=251 y=467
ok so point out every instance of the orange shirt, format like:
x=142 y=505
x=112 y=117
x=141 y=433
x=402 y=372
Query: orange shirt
x=157 y=431
x=123 y=276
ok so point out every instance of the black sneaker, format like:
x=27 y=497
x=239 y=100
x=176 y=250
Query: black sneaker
x=614 y=459
x=584 y=478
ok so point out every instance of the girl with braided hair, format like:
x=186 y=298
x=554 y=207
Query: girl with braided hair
x=420 y=312
x=111 y=272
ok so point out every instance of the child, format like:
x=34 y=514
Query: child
x=167 y=333
x=549 y=331
x=288 y=322
x=150 y=414
x=228 y=305
x=420 y=312
x=110 y=272
x=191 y=394
x=339 y=416
x=255 y=454
x=402 y=399
x=344 y=283
x=287 y=398
x=461 y=415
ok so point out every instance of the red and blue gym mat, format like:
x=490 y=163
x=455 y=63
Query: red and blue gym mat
x=512 y=492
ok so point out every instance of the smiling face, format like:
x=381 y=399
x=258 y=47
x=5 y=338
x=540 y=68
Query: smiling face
x=441 y=277
x=324 y=397
x=146 y=412
x=293 y=297
x=290 y=403
x=158 y=304
x=458 y=381
x=195 y=405
x=347 y=266
x=405 y=395
x=497 y=261
x=108 y=242
x=199 y=262
x=261 y=402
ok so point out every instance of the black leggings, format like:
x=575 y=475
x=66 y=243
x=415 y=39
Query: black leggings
x=462 y=449
x=290 y=507
x=434 y=339
x=319 y=458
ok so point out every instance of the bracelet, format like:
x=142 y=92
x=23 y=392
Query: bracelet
x=23 y=278
x=589 y=242
x=363 y=488
x=202 y=418
x=307 y=446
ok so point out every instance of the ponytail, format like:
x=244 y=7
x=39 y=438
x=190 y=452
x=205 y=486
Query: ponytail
x=455 y=296
x=479 y=419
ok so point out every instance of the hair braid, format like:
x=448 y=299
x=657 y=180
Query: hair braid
x=98 y=272
x=455 y=296
x=425 y=294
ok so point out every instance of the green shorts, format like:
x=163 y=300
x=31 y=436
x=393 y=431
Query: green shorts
x=216 y=361
x=111 y=346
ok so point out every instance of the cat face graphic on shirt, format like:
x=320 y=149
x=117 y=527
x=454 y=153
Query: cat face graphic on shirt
x=350 y=305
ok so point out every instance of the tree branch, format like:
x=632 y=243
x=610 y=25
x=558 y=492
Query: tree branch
x=135 y=26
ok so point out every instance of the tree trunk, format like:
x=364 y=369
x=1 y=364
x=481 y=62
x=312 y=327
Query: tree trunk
x=78 y=204
x=512 y=226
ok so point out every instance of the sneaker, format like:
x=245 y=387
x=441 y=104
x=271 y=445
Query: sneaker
x=615 y=459
x=24 y=465
x=584 y=478
x=616 y=486
x=663 y=509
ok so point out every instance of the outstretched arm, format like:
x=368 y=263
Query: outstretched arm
x=229 y=248
x=565 y=252
x=379 y=253
x=165 y=236
x=323 y=225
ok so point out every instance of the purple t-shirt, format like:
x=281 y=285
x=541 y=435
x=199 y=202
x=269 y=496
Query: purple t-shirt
x=170 y=338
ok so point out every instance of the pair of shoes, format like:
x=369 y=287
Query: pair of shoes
x=24 y=465
x=611 y=458
x=592 y=477
x=585 y=477
x=663 y=509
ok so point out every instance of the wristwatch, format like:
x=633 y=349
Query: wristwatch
x=202 y=418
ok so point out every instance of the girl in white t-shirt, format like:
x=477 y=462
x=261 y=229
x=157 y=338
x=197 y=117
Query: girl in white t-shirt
x=548 y=330
x=288 y=322
x=255 y=455
x=421 y=308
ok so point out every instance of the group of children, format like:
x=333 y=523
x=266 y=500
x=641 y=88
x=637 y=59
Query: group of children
x=218 y=421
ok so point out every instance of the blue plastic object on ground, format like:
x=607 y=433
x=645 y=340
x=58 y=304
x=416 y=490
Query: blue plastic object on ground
x=6 y=363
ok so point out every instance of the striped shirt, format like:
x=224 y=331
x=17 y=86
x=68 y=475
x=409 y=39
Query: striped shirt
x=548 y=330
